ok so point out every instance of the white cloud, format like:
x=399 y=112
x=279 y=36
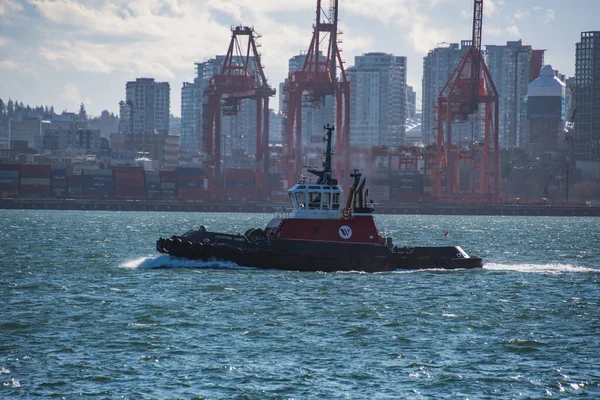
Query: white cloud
x=513 y=30
x=7 y=6
x=488 y=8
x=549 y=16
x=73 y=97
x=19 y=70
x=490 y=31
x=548 y=13
x=519 y=14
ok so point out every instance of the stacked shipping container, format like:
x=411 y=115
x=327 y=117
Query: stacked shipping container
x=98 y=182
x=9 y=180
x=187 y=183
x=168 y=184
x=35 y=180
x=406 y=186
x=129 y=182
x=239 y=184
x=75 y=182
x=239 y=178
x=60 y=184
x=152 y=184
x=190 y=183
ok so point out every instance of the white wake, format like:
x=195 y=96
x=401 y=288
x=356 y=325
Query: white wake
x=165 y=261
x=540 y=268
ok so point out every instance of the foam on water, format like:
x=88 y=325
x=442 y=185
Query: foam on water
x=540 y=268
x=166 y=261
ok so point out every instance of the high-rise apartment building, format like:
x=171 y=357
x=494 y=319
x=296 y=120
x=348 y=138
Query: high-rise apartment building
x=191 y=117
x=378 y=106
x=545 y=97
x=146 y=108
x=587 y=104
x=438 y=65
x=411 y=102
x=512 y=67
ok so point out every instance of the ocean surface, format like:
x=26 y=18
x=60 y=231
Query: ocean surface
x=90 y=310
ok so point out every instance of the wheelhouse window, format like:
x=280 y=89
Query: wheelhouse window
x=314 y=200
x=301 y=200
x=336 y=201
x=326 y=201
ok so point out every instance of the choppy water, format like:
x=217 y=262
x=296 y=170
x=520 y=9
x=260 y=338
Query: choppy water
x=87 y=313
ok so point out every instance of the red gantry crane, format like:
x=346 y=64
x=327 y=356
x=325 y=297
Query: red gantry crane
x=469 y=86
x=318 y=78
x=241 y=77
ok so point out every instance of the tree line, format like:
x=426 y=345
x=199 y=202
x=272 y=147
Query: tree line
x=107 y=122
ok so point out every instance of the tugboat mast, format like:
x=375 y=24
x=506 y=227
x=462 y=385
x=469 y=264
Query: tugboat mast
x=326 y=175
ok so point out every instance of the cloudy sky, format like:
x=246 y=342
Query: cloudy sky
x=64 y=52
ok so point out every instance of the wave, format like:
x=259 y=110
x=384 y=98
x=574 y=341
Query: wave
x=540 y=268
x=166 y=261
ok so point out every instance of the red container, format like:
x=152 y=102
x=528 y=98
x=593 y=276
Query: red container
x=189 y=177
x=34 y=190
x=36 y=171
x=9 y=190
x=168 y=176
x=128 y=170
x=137 y=193
x=191 y=193
x=239 y=175
x=10 y=167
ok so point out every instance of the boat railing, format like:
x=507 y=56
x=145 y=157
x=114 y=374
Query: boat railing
x=281 y=212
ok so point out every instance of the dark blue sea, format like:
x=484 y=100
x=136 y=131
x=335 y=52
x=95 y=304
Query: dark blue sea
x=89 y=310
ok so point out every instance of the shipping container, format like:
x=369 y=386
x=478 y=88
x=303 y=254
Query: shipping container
x=152 y=176
x=59 y=192
x=188 y=171
x=59 y=173
x=230 y=184
x=97 y=172
x=10 y=167
x=98 y=185
x=128 y=170
x=34 y=190
x=9 y=174
x=153 y=189
x=9 y=191
x=168 y=193
x=75 y=184
x=168 y=185
x=379 y=193
x=191 y=193
x=136 y=192
x=168 y=176
x=36 y=171
x=9 y=181
x=35 y=181
x=246 y=175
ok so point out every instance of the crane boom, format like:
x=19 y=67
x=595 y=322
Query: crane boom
x=475 y=50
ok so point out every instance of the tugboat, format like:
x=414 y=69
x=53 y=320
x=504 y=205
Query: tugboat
x=320 y=233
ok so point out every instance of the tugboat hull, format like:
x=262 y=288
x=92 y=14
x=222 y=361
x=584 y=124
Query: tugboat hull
x=312 y=256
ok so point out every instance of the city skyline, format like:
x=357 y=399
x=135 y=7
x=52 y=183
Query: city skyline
x=67 y=52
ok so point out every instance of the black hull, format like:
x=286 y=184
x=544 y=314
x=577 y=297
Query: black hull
x=293 y=255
